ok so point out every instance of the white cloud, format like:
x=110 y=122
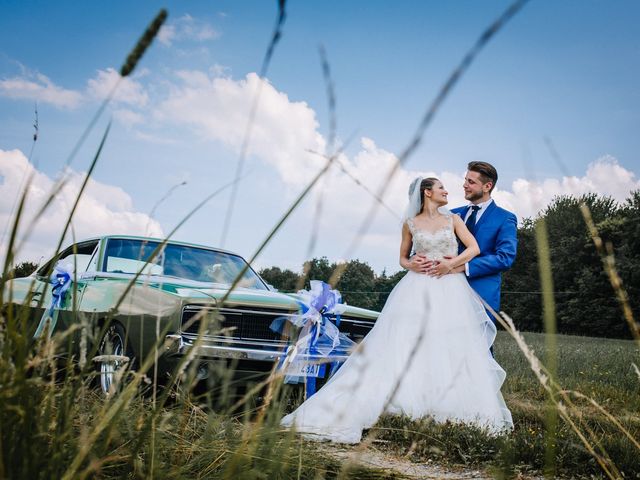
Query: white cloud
x=284 y=131
x=128 y=118
x=186 y=28
x=38 y=87
x=167 y=34
x=157 y=139
x=130 y=91
x=604 y=176
x=218 y=108
x=103 y=208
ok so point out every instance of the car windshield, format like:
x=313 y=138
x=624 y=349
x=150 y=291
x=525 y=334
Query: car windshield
x=183 y=261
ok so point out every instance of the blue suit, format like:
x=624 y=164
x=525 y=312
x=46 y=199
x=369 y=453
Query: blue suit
x=495 y=233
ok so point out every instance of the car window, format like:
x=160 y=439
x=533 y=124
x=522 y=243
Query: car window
x=130 y=265
x=75 y=258
x=132 y=256
x=182 y=261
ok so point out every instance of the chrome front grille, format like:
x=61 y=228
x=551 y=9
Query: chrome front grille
x=253 y=323
x=240 y=323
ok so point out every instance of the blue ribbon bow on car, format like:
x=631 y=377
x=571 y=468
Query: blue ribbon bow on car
x=61 y=281
x=319 y=337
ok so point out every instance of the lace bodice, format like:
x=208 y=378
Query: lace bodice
x=434 y=245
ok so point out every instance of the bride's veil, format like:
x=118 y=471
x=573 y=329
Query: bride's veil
x=413 y=208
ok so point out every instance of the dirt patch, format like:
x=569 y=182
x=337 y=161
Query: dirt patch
x=374 y=458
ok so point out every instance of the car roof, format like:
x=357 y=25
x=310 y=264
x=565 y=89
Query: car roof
x=152 y=239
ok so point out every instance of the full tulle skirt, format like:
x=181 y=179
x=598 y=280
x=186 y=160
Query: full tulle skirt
x=427 y=356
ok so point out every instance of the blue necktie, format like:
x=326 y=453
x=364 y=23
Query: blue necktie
x=471 y=221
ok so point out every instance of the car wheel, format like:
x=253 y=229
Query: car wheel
x=113 y=357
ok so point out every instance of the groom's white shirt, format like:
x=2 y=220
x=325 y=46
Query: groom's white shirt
x=483 y=206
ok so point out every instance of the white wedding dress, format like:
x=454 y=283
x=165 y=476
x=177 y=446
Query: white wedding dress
x=427 y=356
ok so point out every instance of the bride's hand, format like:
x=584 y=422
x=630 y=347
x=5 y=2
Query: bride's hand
x=419 y=264
x=443 y=267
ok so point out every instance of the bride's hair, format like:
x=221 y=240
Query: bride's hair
x=425 y=184
x=416 y=196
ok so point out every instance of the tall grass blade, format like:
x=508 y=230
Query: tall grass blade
x=83 y=187
x=551 y=348
x=24 y=176
x=275 y=38
x=331 y=101
x=565 y=407
x=127 y=68
x=433 y=109
x=609 y=263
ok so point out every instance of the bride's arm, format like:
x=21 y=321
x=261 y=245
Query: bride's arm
x=417 y=263
x=453 y=265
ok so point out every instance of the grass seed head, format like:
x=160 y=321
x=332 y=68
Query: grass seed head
x=144 y=43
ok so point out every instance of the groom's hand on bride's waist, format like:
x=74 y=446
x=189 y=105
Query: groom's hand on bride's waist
x=435 y=268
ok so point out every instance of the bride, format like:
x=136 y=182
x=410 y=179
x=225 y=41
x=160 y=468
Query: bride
x=428 y=353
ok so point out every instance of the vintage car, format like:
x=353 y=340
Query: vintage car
x=151 y=293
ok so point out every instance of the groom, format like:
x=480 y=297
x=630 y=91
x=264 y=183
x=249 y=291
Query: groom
x=494 y=229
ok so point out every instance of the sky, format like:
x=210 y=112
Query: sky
x=559 y=77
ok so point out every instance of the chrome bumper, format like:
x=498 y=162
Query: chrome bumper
x=178 y=345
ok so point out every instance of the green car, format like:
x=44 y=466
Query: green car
x=154 y=293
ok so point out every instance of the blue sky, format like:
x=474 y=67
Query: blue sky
x=565 y=70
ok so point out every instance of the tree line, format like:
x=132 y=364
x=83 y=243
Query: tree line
x=586 y=303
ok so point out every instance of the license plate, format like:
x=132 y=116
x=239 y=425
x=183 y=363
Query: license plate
x=303 y=369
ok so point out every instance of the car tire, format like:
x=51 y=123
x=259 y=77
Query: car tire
x=113 y=359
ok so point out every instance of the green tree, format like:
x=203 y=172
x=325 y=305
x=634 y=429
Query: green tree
x=585 y=300
x=623 y=233
x=383 y=286
x=521 y=299
x=628 y=248
x=318 y=269
x=23 y=269
x=357 y=284
x=284 y=280
x=584 y=305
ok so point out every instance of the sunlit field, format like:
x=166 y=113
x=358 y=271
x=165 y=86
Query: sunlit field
x=600 y=368
x=50 y=417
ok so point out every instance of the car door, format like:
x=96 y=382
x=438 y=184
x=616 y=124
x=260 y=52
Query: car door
x=76 y=260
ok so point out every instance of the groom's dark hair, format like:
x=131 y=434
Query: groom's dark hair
x=488 y=172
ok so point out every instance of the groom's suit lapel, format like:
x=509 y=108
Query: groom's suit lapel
x=463 y=212
x=490 y=208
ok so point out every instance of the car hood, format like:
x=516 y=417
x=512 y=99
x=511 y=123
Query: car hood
x=199 y=291
x=205 y=292
x=190 y=291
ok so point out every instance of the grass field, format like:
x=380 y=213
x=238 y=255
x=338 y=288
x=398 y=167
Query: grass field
x=599 y=368
x=46 y=425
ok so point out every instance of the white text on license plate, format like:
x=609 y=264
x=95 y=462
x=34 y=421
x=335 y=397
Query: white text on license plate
x=303 y=369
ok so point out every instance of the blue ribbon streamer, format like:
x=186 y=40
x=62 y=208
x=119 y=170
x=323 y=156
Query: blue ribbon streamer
x=319 y=337
x=61 y=280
